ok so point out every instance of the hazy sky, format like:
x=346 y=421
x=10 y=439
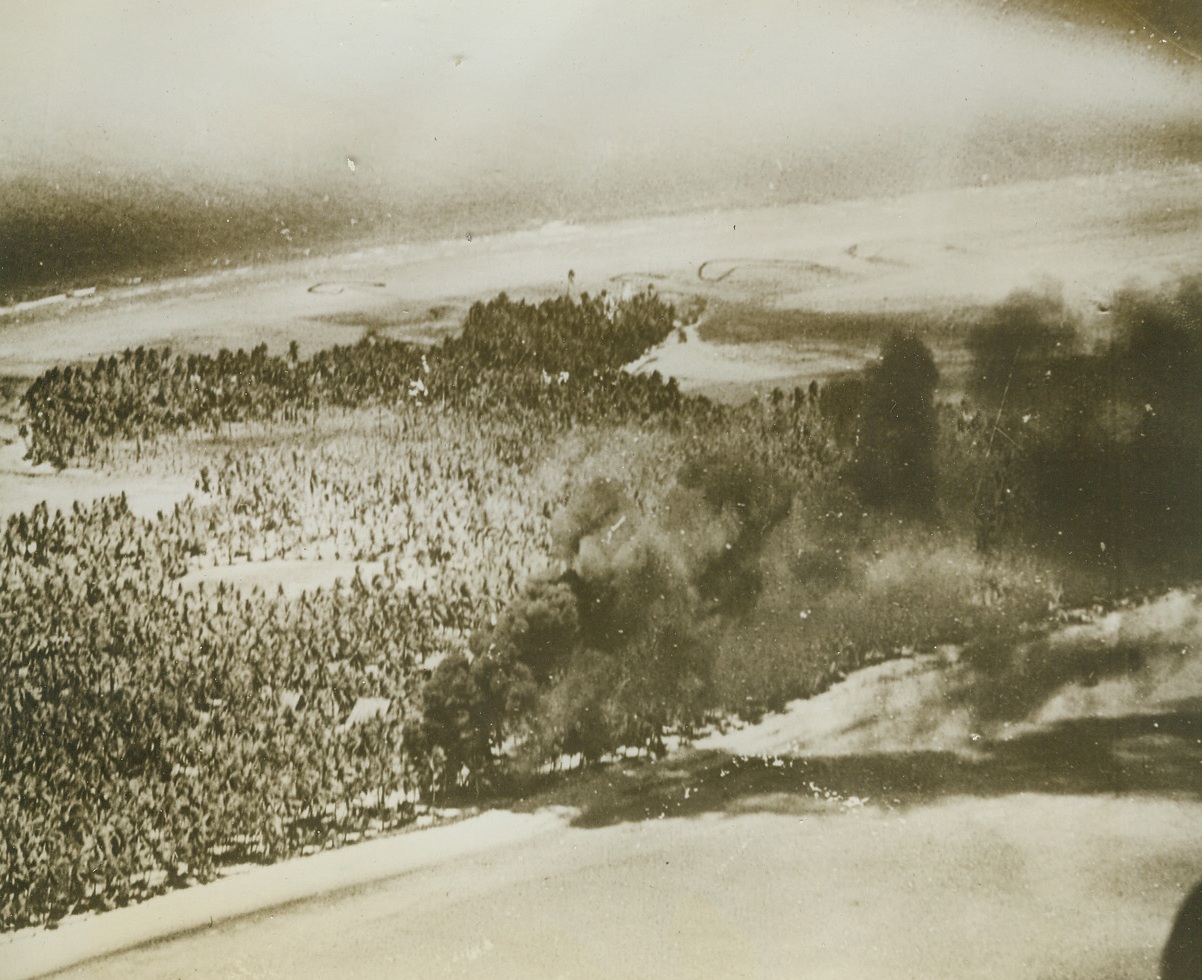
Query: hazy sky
x=435 y=94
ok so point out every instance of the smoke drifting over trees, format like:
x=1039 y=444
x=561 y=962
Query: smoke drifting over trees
x=751 y=578
x=1098 y=454
x=895 y=455
x=621 y=644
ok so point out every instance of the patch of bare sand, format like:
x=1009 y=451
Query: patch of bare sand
x=293 y=576
x=941 y=703
x=24 y=485
x=1022 y=886
x=33 y=952
x=900 y=706
x=735 y=370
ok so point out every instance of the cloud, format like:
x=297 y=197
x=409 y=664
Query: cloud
x=530 y=92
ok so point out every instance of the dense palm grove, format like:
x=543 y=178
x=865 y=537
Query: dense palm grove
x=499 y=362
x=557 y=559
x=157 y=729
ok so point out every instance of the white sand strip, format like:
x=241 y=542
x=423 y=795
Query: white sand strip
x=34 y=952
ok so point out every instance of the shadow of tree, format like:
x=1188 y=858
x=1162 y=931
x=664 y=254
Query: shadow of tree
x=1152 y=754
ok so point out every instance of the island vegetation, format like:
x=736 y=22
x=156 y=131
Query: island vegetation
x=569 y=560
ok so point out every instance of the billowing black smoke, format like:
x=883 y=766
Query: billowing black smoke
x=621 y=644
x=1099 y=453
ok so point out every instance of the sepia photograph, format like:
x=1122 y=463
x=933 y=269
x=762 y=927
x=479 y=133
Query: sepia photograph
x=614 y=489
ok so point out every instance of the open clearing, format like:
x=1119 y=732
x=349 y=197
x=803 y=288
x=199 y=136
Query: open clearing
x=23 y=486
x=294 y=576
